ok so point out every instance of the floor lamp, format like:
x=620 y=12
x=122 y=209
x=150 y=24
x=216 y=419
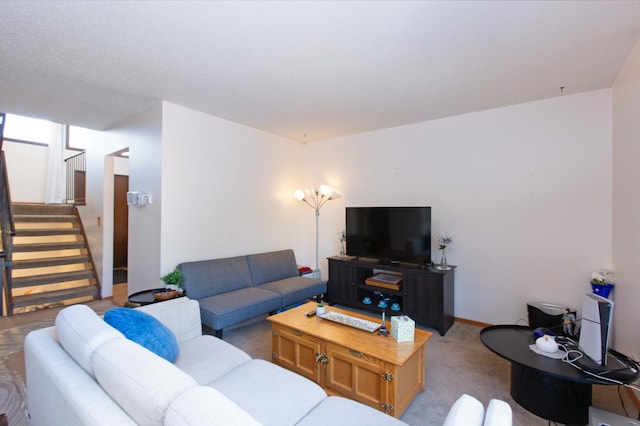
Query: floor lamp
x=316 y=199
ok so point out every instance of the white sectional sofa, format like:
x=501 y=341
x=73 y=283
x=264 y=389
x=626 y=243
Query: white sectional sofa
x=82 y=371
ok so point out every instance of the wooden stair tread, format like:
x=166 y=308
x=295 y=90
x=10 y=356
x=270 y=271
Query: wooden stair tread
x=20 y=209
x=48 y=246
x=42 y=232
x=58 y=277
x=55 y=296
x=51 y=220
x=50 y=261
x=30 y=218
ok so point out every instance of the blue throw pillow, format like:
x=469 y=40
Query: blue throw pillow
x=145 y=330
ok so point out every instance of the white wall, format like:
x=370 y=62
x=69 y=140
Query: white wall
x=525 y=192
x=626 y=204
x=218 y=189
x=142 y=135
x=121 y=166
x=227 y=190
x=27 y=171
x=99 y=230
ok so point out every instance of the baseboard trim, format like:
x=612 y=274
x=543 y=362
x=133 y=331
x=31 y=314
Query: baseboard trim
x=471 y=322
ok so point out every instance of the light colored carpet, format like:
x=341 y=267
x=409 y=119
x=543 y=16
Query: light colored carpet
x=455 y=364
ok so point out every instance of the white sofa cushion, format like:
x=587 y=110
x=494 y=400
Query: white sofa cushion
x=205 y=406
x=207 y=358
x=142 y=383
x=466 y=411
x=269 y=393
x=181 y=316
x=335 y=410
x=59 y=391
x=499 y=413
x=81 y=331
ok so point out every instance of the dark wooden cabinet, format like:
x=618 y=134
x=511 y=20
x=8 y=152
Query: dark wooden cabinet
x=425 y=294
x=346 y=286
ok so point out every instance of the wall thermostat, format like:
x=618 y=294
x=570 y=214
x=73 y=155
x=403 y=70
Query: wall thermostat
x=138 y=199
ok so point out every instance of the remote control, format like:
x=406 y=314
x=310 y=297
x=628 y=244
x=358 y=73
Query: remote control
x=310 y=313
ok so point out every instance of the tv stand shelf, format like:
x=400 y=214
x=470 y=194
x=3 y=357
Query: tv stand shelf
x=425 y=295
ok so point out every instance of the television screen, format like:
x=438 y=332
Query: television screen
x=396 y=234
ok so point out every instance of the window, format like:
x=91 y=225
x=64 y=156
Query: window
x=30 y=130
x=27 y=130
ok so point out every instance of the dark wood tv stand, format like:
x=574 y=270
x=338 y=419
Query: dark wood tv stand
x=425 y=294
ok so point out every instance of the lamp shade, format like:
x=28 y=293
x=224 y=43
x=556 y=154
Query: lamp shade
x=326 y=190
x=299 y=194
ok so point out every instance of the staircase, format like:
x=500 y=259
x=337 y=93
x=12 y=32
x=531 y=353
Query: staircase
x=52 y=264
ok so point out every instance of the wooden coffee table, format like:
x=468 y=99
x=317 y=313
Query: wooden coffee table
x=346 y=361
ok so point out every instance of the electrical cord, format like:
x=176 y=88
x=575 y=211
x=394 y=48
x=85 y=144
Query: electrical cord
x=572 y=355
x=626 y=413
x=567 y=358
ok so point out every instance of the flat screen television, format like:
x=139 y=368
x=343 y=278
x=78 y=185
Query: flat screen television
x=393 y=234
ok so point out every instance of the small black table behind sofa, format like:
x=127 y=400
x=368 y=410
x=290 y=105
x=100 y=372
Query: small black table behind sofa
x=547 y=387
x=234 y=289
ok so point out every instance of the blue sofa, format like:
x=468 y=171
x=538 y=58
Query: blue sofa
x=234 y=289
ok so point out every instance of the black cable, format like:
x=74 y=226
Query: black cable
x=626 y=413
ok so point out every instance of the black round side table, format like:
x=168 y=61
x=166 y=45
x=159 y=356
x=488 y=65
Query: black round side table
x=549 y=388
x=145 y=297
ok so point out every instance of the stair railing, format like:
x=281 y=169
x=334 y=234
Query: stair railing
x=91 y=262
x=7 y=228
x=76 y=169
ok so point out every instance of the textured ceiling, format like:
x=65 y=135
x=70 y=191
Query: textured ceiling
x=296 y=68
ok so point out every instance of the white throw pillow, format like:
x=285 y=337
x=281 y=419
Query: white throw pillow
x=81 y=331
x=466 y=411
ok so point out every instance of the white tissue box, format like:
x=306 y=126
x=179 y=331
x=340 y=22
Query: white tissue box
x=402 y=328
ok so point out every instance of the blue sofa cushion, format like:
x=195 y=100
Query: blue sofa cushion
x=206 y=278
x=231 y=308
x=145 y=330
x=272 y=266
x=295 y=289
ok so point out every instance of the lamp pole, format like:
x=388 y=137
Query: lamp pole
x=316 y=199
x=317 y=238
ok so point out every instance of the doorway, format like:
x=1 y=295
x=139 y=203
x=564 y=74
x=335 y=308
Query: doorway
x=120 y=228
